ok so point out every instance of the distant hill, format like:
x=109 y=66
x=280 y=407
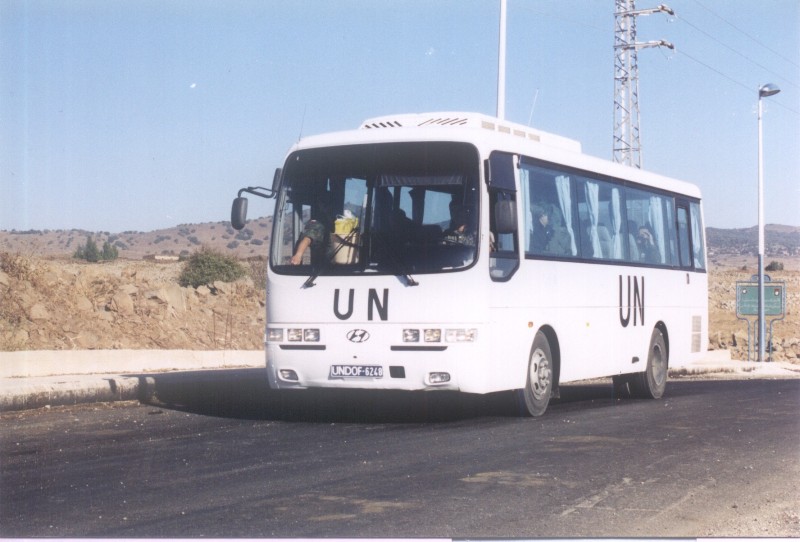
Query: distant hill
x=180 y=240
x=254 y=240
x=779 y=241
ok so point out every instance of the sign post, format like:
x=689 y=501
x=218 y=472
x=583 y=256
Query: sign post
x=747 y=305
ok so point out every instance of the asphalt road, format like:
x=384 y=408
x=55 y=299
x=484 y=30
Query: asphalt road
x=223 y=457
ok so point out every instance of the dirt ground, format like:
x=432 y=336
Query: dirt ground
x=56 y=304
x=61 y=303
x=726 y=331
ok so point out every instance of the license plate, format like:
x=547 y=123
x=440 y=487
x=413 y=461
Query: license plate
x=356 y=371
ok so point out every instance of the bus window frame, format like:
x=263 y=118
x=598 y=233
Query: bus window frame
x=625 y=185
x=501 y=171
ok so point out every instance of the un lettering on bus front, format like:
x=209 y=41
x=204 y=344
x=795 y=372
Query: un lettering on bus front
x=631 y=300
x=377 y=305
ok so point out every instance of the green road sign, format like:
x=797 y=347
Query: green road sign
x=747 y=298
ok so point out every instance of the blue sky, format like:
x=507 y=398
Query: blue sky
x=138 y=115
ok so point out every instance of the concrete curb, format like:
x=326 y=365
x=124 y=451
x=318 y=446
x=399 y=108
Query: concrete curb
x=58 y=391
x=37 y=363
x=31 y=380
x=36 y=379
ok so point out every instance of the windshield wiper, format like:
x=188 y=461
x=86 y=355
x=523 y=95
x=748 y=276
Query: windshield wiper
x=346 y=241
x=389 y=249
x=391 y=252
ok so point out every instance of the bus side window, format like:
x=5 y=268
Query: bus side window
x=697 y=236
x=684 y=246
x=603 y=232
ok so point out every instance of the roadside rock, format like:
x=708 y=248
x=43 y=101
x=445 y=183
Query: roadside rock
x=173 y=296
x=39 y=312
x=121 y=303
x=83 y=304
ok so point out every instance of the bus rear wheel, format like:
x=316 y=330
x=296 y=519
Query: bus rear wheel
x=539 y=384
x=653 y=381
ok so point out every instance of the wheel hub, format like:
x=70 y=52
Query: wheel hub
x=540 y=374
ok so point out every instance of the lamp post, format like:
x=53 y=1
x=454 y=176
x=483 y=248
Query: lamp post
x=501 y=63
x=765 y=90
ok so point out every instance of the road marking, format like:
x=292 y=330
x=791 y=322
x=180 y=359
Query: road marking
x=594 y=500
x=361 y=506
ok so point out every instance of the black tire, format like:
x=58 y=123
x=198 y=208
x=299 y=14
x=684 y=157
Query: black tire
x=653 y=381
x=539 y=382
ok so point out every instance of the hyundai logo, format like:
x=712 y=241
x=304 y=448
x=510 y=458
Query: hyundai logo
x=357 y=336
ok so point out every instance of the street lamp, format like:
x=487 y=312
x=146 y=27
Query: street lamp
x=765 y=90
x=501 y=63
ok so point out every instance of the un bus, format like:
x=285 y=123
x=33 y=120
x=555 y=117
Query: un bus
x=457 y=251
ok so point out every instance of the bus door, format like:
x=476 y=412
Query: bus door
x=509 y=339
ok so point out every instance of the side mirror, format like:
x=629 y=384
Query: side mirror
x=239 y=208
x=505 y=215
x=276 y=180
x=239 y=213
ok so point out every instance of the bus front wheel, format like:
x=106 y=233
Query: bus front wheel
x=653 y=381
x=539 y=383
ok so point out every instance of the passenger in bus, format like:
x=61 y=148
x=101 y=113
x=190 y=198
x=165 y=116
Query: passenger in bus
x=542 y=230
x=560 y=242
x=462 y=228
x=633 y=249
x=646 y=243
x=314 y=236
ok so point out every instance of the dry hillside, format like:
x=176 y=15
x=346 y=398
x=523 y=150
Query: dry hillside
x=55 y=304
x=134 y=245
x=50 y=301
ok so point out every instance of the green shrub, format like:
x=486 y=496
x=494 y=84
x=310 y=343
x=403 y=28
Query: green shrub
x=109 y=252
x=774 y=266
x=88 y=252
x=91 y=253
x=207 y=265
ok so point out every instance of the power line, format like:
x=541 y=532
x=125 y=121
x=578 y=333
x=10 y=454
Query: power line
x=748 y=88
x=756 y=40
x=684 y=20
x=713 y=69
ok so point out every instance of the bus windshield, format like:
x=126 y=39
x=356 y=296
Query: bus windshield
x=391 y=208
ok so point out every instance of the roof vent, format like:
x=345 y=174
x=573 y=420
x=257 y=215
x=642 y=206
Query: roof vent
x=471 y=120
x=382 y=124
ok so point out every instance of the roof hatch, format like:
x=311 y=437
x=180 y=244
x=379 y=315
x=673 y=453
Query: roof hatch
x=470 y=120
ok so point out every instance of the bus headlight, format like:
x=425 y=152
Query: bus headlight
x=294 y=335
x=429 y=335
x=461 y=335
x=289 y=375
x=311 y=335
x=438 y=378
x=274 y=334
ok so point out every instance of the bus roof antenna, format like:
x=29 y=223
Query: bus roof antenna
x=533 y=106
x=302 y=123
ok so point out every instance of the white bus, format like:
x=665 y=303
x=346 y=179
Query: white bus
x=457 y=251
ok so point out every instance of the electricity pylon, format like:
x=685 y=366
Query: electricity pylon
x=627 y=137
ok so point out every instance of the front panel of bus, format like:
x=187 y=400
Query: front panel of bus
x=372 y=267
